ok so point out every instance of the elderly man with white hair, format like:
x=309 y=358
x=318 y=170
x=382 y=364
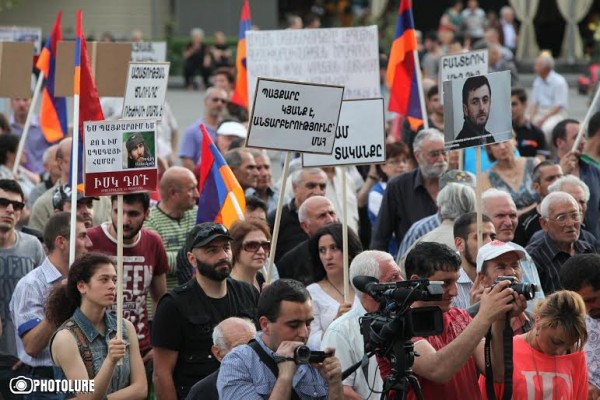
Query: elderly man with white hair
x=549 y=96
x=561 y=222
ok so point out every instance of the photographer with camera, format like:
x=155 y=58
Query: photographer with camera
x=277 y=364
x=449 y=363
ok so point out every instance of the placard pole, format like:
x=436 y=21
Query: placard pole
x=345 y=237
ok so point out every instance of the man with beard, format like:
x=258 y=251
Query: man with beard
x=186 y=316
x=411 y=196
x=477 y=101
x=144 y=265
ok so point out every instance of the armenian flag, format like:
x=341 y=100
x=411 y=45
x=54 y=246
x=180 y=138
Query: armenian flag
x=53 y=112
x=221 y=196
x=85 y=90
x=401 y=72
x=240 y=94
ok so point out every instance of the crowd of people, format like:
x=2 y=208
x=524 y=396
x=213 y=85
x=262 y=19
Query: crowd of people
x=206 y=317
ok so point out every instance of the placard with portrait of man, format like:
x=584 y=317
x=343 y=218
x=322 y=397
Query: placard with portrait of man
x=139 y=150
x=477 y=110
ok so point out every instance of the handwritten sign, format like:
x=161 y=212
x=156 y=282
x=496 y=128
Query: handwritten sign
x=149 y=51
x=120 y=157
x=335 y=56
x=359 y=137
x=464 y=65
x=146 y=90
x=294 y=116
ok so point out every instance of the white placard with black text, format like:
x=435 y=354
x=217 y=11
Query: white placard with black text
x=146 y=90
x=464 y=65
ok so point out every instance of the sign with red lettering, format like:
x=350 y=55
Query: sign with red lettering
x=359 y=137
x=120 y=157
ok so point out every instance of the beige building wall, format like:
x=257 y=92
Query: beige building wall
x=118 y=17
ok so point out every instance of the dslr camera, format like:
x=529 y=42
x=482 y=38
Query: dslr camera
x=304 y=355
x=526 y=289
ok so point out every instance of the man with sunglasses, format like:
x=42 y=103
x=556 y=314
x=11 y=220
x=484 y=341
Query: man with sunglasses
x=186 y=316
x=561 y=220
x=215 y=102
x=20 y=253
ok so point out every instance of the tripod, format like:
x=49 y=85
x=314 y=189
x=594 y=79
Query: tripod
x=402 y=378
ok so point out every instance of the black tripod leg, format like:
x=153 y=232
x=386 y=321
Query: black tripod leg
x=414 y=383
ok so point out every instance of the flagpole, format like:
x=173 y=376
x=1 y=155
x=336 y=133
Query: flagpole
x=36 y=92
x=286 y=170
x=420 y=89
x=586 y=120
x=236 y=205
x=74 y=168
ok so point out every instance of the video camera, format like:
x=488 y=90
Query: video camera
x=304 y=355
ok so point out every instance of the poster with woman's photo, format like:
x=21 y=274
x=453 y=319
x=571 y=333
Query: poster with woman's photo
x=477 y=110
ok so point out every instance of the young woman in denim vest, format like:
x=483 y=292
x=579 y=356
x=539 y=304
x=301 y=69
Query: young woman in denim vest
x=85 y=344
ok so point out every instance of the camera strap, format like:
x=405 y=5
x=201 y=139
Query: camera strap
x=507 y=338
x=269 y=362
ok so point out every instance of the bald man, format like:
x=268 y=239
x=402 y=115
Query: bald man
x=230 y=333
x=175 y=215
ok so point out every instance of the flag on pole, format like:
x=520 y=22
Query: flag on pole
x=85 y=89
x=401 y=72
x=53 y=112
x=240 y=94
x=221 y=196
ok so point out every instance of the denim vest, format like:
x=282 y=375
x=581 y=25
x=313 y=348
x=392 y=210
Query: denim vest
x=98 y=347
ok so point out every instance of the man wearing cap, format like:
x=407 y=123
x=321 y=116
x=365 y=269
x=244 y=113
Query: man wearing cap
x=186 y=316
x=496 y=259
x=138 y=155
x=227 y=133
x=61 y=201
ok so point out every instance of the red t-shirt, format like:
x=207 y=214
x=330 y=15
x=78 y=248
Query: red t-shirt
x=463 y=384
x=142 y=260
x=539 y=376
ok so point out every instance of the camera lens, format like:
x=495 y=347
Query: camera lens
x=302 y=355
x=526 y=289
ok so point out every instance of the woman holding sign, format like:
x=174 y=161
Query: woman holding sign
x=327 y=294
x=85 y=345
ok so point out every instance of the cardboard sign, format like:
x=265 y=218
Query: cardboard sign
x=109 y=62
x=146 y=90
x=120 y=157
x=149 y=51
x=464 y=65
x=359 y=137
x=294 y=116
x=486 y=115
x=334 y=56
x=22 y=34
x=15 y=69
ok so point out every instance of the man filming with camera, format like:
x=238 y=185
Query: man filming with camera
x=449 y=363
x=277 y=364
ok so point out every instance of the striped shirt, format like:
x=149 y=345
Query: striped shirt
x=173 y=233
x=418 y=229
x=27 y=308
x=464 y=285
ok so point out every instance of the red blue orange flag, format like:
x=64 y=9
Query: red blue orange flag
x=221 y=196
x=401 y=72
x=53 y=112
x=240 y=94
x=85 y=87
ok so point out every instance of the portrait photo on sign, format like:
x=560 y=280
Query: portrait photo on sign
x=477 y=110
x=138 y=150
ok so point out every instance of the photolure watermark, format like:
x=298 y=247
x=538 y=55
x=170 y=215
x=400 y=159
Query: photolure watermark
x=25 y=385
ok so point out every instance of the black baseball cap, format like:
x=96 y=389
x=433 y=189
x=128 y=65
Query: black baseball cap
x=204 y=233
x=62 y=195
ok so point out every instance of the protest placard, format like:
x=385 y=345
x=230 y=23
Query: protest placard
x=146 y=90
x=359 y=137
x=335 y=56
x=120 y=157
x=464 y=65
x=477 y=110
x=22 y=34
x=149 y=51
x=294 y=116
x=15 y=69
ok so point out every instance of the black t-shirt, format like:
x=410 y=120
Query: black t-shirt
x=531 y=141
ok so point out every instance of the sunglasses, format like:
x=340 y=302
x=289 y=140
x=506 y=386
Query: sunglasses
x=252 y=247
x=17 y=205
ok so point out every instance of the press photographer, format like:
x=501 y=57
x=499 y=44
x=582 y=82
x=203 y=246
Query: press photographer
x=449 y=363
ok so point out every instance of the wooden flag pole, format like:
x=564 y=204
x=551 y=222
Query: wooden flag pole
x=23 y=139
x=586 y=120
x=345 y=237
x=74 y=168
x=286 y=170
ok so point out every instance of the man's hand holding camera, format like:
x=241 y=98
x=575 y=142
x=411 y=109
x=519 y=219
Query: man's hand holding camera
x=500 y=299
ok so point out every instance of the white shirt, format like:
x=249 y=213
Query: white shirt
x=325 y=309
x=550 y=92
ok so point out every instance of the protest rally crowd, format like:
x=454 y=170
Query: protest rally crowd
x=205 y=317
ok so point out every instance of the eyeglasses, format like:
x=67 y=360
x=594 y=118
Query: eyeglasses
x=562 y=219
x=218 y=99
x=252 y=247
x=17 y=205
x=436 y=153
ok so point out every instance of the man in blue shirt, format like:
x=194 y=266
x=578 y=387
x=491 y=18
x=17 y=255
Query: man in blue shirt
x=285 y=314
